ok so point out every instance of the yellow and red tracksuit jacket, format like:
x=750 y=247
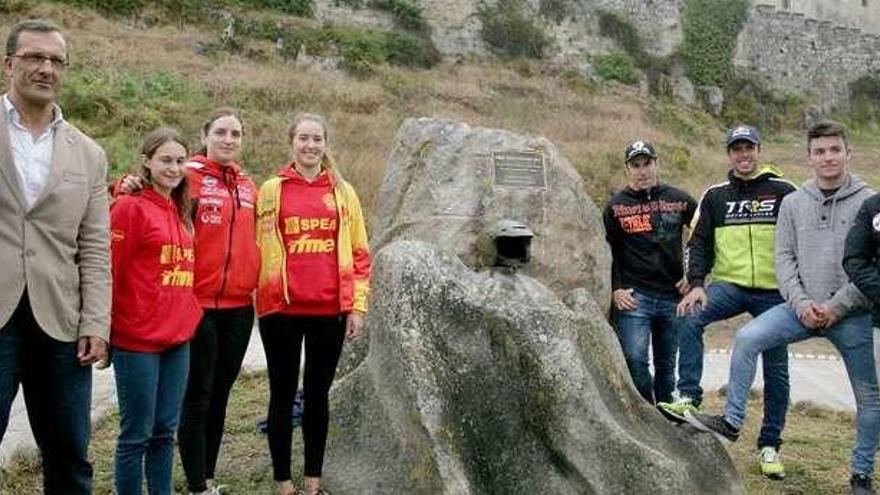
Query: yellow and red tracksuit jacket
x=352 y=249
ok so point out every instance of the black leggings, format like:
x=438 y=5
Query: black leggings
x=216 y=354
x=282 y=340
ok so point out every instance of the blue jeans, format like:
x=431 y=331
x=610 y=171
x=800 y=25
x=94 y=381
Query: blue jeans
x=726 y=300
x=150 y=390
x=853 y=338
x=58 y=396
x=653 y=319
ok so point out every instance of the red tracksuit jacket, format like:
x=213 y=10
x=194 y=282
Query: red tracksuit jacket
x=154 y=307
x=227 y=259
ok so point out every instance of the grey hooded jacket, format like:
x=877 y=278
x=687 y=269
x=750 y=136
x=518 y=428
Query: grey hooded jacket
x=810 y=236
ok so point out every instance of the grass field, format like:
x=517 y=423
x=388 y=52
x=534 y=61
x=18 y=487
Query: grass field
x=816 y=451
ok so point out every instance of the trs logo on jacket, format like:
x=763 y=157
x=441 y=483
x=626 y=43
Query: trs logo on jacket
x=750 y=208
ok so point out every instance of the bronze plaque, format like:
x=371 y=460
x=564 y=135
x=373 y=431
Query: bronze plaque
x=519 y=169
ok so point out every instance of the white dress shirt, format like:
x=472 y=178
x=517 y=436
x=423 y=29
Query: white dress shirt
x=32 y=156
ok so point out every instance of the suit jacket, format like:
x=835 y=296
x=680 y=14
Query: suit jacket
x=59 y=249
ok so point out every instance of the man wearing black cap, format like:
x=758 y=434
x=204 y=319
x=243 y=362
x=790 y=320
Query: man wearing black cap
x=644 y=224
x=733 y=240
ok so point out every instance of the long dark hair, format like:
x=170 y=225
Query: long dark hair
x=180 y=194
x=212 y=117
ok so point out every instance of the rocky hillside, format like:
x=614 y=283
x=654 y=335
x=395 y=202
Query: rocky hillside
x=164 y=64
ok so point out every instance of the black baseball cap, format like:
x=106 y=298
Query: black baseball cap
x=743 y=133
x=637 y=148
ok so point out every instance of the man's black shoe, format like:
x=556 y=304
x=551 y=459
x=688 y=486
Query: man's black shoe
x=861 y=485
x=716 y=425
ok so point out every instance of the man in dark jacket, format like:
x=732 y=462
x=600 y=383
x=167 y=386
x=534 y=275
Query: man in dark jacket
x=861 y=255
x=644 y=224
x=733 y=240
x=861 y=261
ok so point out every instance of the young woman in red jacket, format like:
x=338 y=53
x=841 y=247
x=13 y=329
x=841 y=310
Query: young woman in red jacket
x=154 y=315
x=226 y=271
x=314 y=281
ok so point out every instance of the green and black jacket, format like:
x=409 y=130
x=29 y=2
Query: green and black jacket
x=735 y=229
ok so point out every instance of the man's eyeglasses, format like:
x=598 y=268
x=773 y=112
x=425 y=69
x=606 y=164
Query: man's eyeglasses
x=36 y=59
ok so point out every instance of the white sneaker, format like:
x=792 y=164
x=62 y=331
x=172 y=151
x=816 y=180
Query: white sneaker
x=771 y=464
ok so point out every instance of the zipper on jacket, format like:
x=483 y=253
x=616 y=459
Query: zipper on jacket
x=228 y=249
x=751 y=242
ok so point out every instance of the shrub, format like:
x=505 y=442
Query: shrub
x=613 y=26
x=865 y=100
x=189 y=9
x=748 y=100
x=361 y=49
x=117 y=107
x=616 y=66
x=411 y=51
x=301 y=8
x=508 y=31
x=119 y=7
x=710 y=28
x=555 y=10
x=14 y=6
x=405 y=13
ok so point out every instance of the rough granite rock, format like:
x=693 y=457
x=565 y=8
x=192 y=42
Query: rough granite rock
x=439 y=188
x=486 y=383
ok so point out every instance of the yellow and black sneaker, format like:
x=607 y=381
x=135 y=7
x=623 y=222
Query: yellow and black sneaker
x=674 y=411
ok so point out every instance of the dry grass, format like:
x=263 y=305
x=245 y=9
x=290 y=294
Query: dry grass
x=816 y=452
x=590 y=127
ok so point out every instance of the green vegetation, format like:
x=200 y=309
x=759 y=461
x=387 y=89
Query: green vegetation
x=747 y=100
x=190 y=9
x=616 y=66
x=710 y=28
x=510 y=31
x=361 y=49
x=555 y=10
x=688 y=124
x=301 y=8
x=406 y=13
x=117 y=107
x=13 y=6
x=615 y=27
x=865 y=101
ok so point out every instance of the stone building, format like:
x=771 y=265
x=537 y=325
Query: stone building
x=864 y=14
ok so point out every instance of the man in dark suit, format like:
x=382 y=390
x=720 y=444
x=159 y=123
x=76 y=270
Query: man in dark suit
x=54 y=258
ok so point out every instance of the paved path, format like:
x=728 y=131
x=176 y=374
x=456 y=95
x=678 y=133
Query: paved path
x=822 y=381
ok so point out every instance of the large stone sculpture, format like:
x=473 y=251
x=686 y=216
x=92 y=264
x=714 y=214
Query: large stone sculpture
x=483 y=381
x=447 y=182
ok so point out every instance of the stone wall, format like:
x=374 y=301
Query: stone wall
x=455 y=25
x=816 y=54
x=863 y=14
x=798 y=54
